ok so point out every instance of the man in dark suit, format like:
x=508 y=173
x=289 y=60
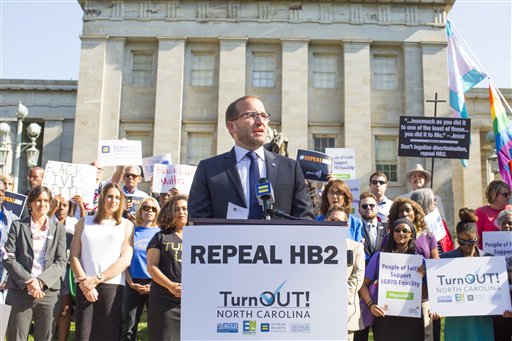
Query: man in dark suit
x=226 y=178
x=374 y=231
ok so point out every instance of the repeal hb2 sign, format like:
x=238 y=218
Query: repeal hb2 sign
x=439 y=137
x=267 y=282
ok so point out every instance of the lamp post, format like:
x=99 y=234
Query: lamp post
x=33 y=132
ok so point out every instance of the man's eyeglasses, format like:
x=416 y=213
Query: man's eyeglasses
x=129 y=175
x=467 y=242
x=146 y=208
x=380 y=182
x=253 y=115
x=365 y=206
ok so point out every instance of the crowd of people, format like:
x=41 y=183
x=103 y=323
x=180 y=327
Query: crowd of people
x=107 y=261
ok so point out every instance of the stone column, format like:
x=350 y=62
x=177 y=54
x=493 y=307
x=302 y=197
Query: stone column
x=357 y=97
x=169 y=97
x=112 y=89
x=89 y=98
x=413 y=79
x=52 y=140
x=294 y=110
x=232 y=79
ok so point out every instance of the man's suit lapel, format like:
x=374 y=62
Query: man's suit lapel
x=271 y=165
x=232 y=171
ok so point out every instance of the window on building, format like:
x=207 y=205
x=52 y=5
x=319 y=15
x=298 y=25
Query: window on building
x=386 y=156
x=142 y=68
x=385 y=75
x=324 y=71
x=321 y=142
x=199 y=147
x=203 y=68
x=263 y=73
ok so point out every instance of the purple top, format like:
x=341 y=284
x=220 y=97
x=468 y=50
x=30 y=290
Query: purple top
x=425 y=243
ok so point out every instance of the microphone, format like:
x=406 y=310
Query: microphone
x=265 y=196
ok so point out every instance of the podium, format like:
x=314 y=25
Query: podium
x=269 y=280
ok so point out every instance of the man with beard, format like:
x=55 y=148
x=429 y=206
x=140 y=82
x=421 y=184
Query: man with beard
x=230 y=179
x=374 y=231
x=418 y=178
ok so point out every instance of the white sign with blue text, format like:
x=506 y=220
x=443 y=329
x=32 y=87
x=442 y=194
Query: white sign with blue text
x=468 y=286
x=268 y=282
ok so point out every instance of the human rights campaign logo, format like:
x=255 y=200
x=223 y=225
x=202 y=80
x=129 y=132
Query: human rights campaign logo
x=265 y=327
x=105 y=149
x=227 y=327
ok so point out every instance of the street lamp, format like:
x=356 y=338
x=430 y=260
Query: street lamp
x=32 y=154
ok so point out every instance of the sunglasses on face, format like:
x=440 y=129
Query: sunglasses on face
x=467 y=242
x=146 y=208
x=128 y=175
x=404 y=231
x=365 y=206
x=505 y=194
x=380 y=182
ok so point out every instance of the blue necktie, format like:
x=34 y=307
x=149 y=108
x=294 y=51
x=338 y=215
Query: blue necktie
x=254 y=177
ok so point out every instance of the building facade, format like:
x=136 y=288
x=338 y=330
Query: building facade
x=331 y=73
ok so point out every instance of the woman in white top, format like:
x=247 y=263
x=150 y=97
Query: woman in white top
x=101 y=250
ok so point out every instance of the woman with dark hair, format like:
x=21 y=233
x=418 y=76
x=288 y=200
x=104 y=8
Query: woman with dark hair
x=467 y=327
x=164 y=266
x=337 y=193
x=401 y=239
x=138 y=280
x=426 y=246
x=101 y=250
x=497 y=194
x=35 y=260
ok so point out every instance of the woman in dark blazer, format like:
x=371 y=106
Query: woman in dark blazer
x=35 y=258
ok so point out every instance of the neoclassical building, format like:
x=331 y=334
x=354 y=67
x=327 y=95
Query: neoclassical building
x=331 y=73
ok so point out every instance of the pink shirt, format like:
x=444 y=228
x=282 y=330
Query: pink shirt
x=486 y=216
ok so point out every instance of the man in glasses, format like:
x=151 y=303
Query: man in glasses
x=374 y=231
x=229 y=179
x=132 y=178
x=378 y=185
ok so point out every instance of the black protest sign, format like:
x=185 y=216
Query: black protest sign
x=315 y=165
x=437 y=137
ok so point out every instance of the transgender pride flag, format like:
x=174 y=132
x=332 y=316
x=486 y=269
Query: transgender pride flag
x=502 y=127
x=463 y=72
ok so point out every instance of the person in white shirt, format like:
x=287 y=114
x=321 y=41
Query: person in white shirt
x=378 y=186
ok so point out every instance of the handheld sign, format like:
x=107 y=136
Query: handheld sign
x=148 y=162
x=119 y=153
x=400 y=284
x=166 y=177
x=468 y=286
x=344 y=162
x=435 y=224
x=439 y=137
x=70 y=179
x=14 y=202
x=314 y=165
x=499 y=243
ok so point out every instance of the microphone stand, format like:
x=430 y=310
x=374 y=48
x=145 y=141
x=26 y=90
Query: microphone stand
x=281 y=214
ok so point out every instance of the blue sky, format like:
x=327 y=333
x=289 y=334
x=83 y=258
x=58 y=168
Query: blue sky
x=39 y=39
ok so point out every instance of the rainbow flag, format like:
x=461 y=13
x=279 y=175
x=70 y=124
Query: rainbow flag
x=463 y=72
x=502 y=127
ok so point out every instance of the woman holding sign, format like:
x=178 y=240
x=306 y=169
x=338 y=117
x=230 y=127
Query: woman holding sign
x=164 y=266
x=401 y=239
x=467 y=327
x=101 y=250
